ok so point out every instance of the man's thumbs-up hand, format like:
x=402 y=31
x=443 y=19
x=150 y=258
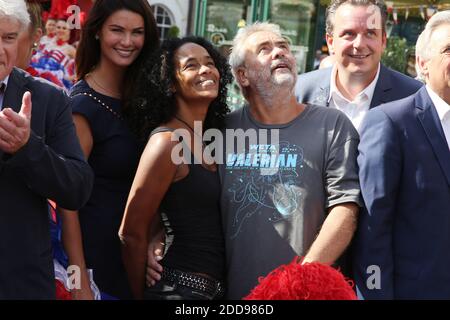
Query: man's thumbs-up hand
x=15 y=127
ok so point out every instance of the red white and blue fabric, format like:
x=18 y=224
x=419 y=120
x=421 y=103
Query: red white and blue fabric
x=52 y=60
x=61 y=261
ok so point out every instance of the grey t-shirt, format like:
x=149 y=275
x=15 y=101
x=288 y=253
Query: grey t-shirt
x=271 y=216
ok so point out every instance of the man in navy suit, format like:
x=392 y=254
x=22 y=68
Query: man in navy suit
x=356 y=36
x=40 y=158
x=403 y=242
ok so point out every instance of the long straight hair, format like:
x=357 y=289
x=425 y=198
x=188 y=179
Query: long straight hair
x=89 y=51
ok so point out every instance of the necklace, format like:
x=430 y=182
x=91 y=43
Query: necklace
x=114 y=93
x=192 y=129
x=206 y=166
x=187 y=124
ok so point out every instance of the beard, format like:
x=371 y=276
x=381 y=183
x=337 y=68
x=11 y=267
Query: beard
x=267 y=83
x=283 y=79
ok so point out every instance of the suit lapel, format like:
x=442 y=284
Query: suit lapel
x=322 y=98
x=429 y=119
x=383 y=88
x=14 y=91
x=323 y=94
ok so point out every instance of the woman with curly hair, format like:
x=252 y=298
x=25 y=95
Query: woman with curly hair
x=185 y=82
x=116 y=38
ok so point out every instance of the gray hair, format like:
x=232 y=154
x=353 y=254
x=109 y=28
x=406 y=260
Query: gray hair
x=237 y=55
x=423 y=47
x=335 y=4
x=16 y=9
x=419 y=46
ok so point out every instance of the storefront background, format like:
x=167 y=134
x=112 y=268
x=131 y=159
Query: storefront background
x=219 y=20
x=303 y=23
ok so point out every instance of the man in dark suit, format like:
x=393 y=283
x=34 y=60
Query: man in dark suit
x=403 y=241
x=356 y=36
x=40 y=158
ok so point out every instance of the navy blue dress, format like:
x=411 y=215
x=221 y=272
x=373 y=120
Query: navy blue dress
x=114 y=159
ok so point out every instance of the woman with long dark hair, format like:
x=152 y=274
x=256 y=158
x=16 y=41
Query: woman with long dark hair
x=115 y=39
x=185 y=82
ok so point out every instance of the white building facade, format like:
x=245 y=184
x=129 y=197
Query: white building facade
x=170 y=13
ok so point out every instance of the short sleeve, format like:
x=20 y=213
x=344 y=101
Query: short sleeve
x=341 y=172
x=85 y=106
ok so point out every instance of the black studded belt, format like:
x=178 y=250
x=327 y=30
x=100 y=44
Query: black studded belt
x=194 y=281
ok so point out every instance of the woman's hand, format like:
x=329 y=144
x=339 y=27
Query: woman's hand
x=155 y=254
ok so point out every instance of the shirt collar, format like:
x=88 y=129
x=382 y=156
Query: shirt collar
x=5 y=81
x=442 y=107
x=368 y=91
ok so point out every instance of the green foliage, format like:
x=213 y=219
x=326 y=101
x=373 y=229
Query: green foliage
x=396 y=53
x=174 y=32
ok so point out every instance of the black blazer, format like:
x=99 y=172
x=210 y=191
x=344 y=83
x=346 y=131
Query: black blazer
x=314 y=87
x=50 y=166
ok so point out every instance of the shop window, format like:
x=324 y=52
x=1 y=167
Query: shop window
x=296 y=19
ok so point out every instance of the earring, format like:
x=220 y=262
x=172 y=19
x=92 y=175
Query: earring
x=96 y=37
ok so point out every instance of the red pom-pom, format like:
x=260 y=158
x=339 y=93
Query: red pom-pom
x=45 y=15
x=310 y=281
x=58 y=8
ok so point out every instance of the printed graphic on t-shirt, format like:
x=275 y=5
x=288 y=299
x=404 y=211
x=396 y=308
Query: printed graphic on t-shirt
x=264 y=178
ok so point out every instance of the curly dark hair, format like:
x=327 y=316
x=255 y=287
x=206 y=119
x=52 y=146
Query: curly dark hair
x=154 y=102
